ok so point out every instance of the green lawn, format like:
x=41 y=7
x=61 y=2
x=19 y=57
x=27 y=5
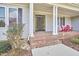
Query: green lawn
x=4 y=46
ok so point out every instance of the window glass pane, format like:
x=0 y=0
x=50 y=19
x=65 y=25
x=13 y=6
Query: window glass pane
x=63 y=20
x=19 y=15
x=12 y=16
x=58 y=20
x=2 y=17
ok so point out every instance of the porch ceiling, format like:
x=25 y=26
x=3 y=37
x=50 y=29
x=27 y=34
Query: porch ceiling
x=43 y=7
x=71 y=4
x=68 y=12
x=74 y=11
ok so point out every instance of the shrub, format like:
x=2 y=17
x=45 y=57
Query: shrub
x=14 y=34
x=2 y=23
x=75 y=40
x=4 y=46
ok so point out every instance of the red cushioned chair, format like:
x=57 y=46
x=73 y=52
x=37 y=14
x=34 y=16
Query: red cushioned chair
x=66 y=28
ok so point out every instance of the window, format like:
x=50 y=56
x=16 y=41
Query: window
x=58 y=21
x=2 y=17
x=12 y=16
x=20 y=16
x=15 y=16
x=62 y=21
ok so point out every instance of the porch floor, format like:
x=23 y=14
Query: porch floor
x=41 y=38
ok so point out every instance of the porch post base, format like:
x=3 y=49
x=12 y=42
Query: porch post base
x=31 y=35
x=55 y=33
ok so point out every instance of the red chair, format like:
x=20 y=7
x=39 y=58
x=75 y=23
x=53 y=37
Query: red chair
x=66 y=28
x=61 y=28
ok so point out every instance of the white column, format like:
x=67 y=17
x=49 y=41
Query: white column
x=55 y=20
x=31 y=20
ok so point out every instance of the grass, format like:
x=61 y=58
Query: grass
x=4 y=46
x=75 y=40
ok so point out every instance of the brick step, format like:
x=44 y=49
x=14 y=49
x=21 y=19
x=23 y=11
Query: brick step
x=41 y=39
x=41 y=43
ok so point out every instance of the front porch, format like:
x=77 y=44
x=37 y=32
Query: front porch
x=46 y=38
x=50 y=18
x=55 y=17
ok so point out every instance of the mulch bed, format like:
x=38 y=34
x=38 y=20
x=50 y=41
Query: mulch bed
x=67 y=40
x=70 y=44
x=17 y=52
x=48 y=40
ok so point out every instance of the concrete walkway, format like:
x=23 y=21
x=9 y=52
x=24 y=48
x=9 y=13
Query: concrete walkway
x=55 y=50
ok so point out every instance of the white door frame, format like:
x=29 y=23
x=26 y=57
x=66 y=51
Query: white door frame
x=44 y=21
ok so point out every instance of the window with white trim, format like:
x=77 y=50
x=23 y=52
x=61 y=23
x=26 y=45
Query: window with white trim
x=2 y=16
x=12 y=16
x=62 y=21
x=20 y=16
x=15 y=16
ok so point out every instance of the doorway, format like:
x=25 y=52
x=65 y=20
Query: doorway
x=40 y=22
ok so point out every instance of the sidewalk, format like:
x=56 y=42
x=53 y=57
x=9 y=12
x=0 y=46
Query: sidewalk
x=55 y=50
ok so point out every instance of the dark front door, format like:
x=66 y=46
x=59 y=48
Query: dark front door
x=40 y=23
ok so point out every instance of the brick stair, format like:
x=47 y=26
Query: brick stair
x=43 y=39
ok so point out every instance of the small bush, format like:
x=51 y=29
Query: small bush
x=4 y=46
x=75 y=40
x=14 y=34
x=2 y=23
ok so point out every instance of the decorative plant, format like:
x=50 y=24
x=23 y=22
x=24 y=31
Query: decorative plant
x=75 y=40
x=4 y=47
x=2 y=23
x=14 y=34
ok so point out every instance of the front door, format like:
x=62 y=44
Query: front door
x=40 y=22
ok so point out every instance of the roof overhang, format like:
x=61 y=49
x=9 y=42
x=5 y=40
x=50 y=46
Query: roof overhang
x=71 y=6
